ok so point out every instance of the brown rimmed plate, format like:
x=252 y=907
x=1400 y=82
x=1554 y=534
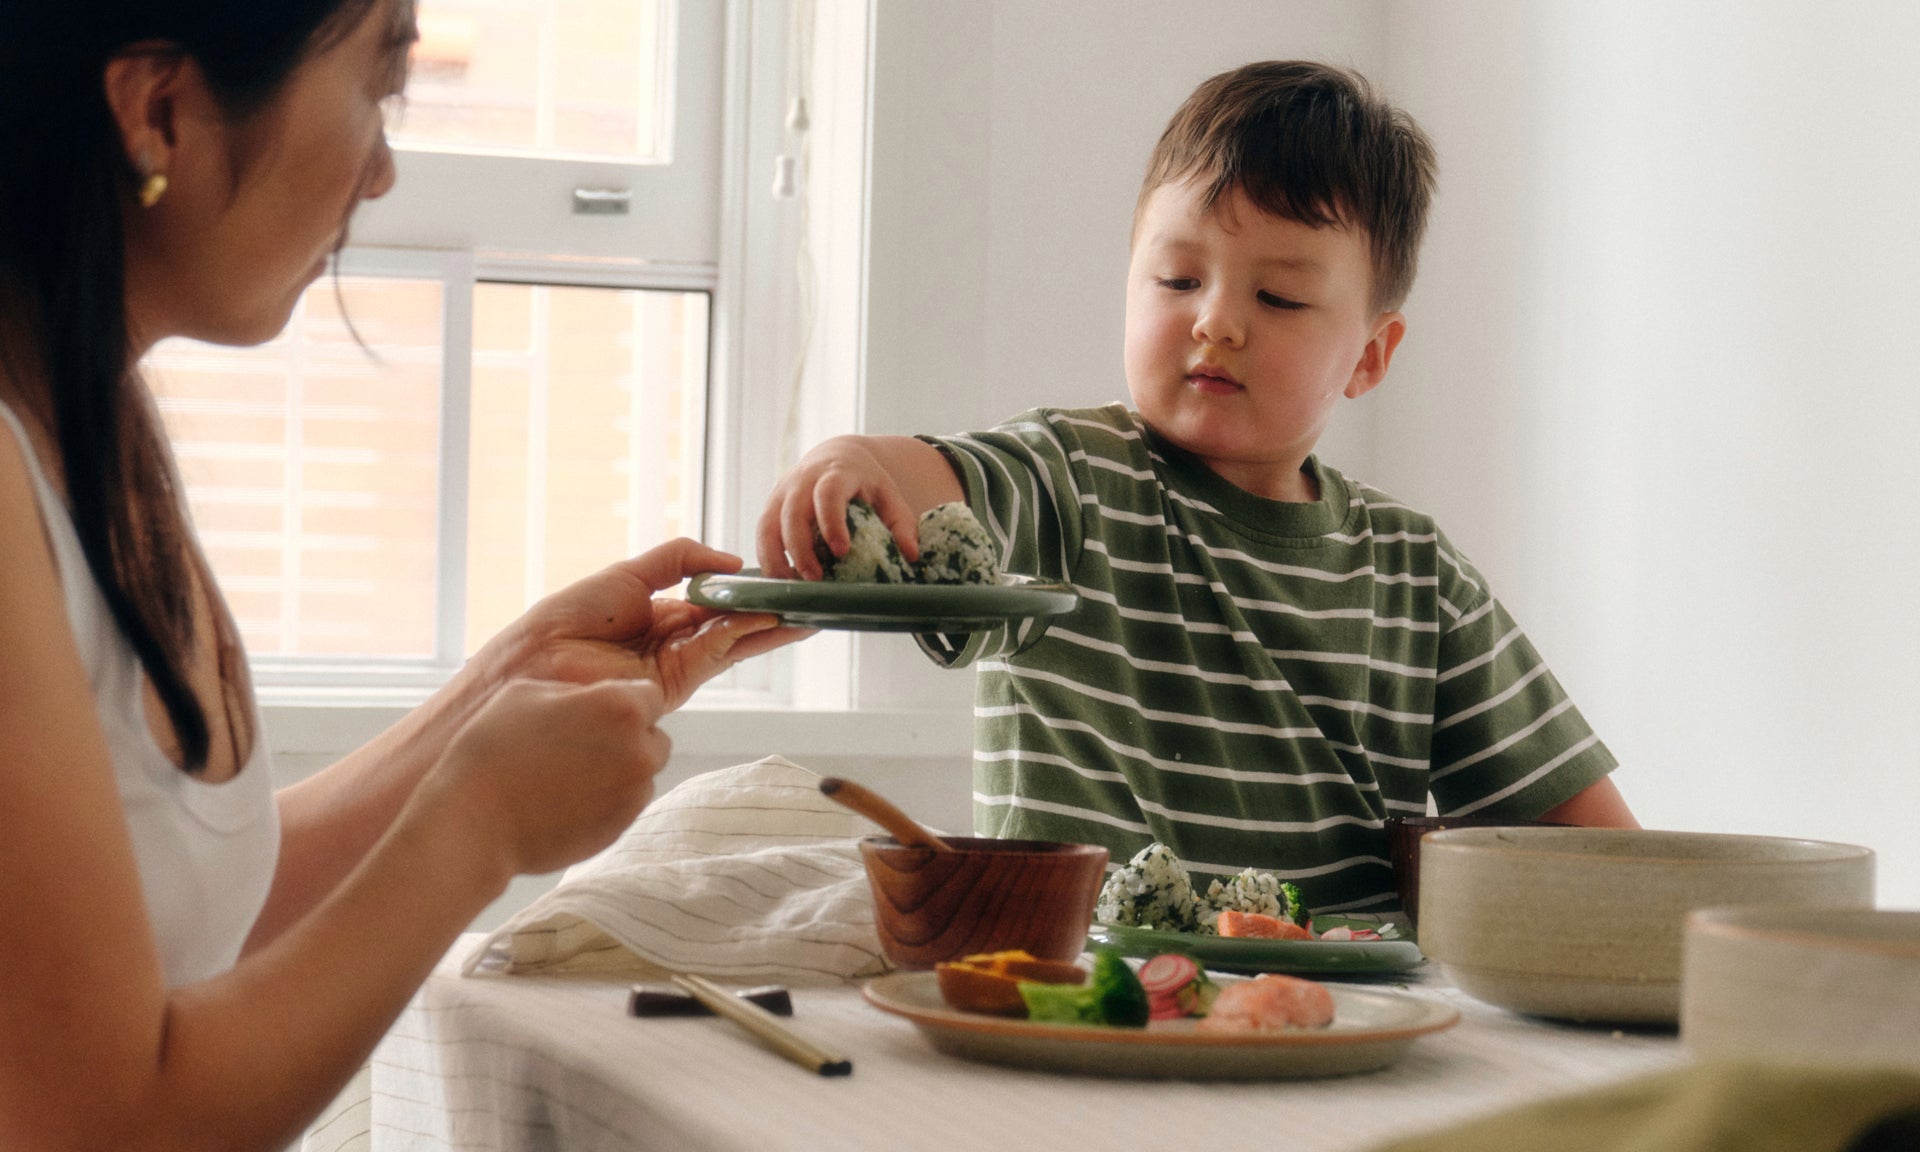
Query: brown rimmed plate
x=1370 y=1030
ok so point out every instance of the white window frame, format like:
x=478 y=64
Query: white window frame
x=740 y=245
x=527 y=205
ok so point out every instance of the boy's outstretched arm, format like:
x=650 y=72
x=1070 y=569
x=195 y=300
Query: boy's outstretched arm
x=899 y=476
x=1599 y=805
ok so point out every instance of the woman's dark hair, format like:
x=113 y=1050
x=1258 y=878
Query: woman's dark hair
x=65 y=180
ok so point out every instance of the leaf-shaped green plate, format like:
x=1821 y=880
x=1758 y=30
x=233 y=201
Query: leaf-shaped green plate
x=883 y=607
x=1241 y=954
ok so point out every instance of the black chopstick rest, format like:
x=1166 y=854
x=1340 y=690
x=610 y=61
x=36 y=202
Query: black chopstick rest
x=669 y=1000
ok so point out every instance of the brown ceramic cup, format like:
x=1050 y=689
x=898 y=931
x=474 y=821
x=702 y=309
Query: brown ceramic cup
x=1403 y=848
x=985 y=896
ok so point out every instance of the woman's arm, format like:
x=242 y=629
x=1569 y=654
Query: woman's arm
x=95 y=1051
x=608 y=626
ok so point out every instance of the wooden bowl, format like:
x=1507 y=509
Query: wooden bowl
x=1802 y=985
x=985 y=896
x=1585 y=923
x=1404 y=834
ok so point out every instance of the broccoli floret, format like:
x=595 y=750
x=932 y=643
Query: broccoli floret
x=1295 y=909
x=1112 y=995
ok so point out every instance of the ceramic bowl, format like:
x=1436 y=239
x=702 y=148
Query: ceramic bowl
x=1404 y=834
x=1585 y=923
x=1827 y=986
x=985 y=896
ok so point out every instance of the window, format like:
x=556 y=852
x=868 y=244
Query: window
x=529 y=363
x=314 y=473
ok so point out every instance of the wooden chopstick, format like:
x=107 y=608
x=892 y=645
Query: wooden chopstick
x=765 y=1025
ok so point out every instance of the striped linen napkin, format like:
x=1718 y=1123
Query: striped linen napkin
x=743 y=874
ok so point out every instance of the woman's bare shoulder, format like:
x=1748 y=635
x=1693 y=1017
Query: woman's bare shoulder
x=21 y=524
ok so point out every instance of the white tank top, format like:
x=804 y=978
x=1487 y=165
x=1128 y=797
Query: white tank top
x=206 y=851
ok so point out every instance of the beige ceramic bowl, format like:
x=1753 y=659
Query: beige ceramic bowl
x=1802 y=986
x=1585 y=923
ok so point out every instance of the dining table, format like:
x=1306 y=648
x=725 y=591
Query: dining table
x=529 y=1062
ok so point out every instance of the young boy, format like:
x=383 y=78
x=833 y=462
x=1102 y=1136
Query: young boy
x=1268 y=659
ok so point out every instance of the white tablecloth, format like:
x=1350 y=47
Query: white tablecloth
x=554 y=1062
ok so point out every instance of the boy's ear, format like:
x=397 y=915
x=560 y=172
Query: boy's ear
x=1374 y=358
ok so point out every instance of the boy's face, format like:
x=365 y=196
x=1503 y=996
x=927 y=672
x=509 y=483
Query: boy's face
x=1245 y=329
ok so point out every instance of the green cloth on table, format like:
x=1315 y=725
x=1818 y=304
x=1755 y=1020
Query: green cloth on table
x=1708 y=1107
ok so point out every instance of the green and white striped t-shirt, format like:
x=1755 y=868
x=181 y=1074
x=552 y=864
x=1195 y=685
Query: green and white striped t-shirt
x=1249 y=681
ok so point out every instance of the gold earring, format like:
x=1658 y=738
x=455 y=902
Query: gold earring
x=151 y=189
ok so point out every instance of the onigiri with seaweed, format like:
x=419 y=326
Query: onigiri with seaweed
x=955 y=547
x=1252 y=890
x=1152 y=890
x=872 y=558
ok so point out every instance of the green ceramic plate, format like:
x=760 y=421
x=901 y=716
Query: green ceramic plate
x=1238 y=954
x=883 y=607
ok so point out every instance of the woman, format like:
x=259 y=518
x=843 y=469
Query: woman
x=191 y=960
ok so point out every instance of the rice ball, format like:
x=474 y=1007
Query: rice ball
x=873 y=558
x=955 y=547
x=1250 y=890
x=1150 y=891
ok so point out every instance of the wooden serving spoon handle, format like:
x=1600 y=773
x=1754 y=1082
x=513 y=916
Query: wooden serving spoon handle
x=870 y=804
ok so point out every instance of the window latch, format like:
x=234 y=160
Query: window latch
x=602 y=201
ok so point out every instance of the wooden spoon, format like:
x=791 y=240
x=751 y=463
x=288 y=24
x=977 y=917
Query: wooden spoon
x=869 y=804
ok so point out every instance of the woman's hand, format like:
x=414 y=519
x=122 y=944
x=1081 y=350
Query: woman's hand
x=547 y=774
x=610 y=626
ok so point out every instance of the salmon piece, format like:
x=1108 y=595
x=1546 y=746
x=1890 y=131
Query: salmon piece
x=1269 y=1003
x=1261 y=927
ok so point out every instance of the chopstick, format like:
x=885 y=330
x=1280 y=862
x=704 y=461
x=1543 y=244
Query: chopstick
x=765 y=1025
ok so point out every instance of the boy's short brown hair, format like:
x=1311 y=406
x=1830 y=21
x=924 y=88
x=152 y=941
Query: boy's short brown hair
x=1311 y=143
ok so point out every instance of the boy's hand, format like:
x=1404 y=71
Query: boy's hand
x=813 y=497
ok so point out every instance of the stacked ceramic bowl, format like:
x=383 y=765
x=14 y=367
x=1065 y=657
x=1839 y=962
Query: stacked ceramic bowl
x=1589 y=923
x=1783 y=984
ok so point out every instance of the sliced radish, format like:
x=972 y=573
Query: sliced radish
x=1165 y=1008
x=1342 y=933
x=1167 y=973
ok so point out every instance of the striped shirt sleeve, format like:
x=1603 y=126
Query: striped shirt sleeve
x=1023 y=481
x=1507 y=740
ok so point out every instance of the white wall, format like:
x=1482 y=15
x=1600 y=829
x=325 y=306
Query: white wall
x=1663 y=391
x=1656 y=381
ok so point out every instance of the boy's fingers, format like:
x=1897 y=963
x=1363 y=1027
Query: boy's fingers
x=899 y=518
x=767 y=542
x=797 y=529
x=830 y=513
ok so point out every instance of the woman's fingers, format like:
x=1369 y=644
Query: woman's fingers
x=666 y=565
x=716 y=646
x=559 y=769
